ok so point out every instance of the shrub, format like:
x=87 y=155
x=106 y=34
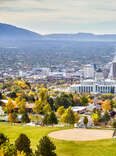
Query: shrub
x=45 y=147
x=23 y=144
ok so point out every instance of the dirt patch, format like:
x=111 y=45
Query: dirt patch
x=82 y=134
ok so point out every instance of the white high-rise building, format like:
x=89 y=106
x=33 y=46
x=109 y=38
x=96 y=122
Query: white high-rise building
x=88 y=71
x=112 y=74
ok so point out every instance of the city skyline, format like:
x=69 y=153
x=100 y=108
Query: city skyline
x=67 y=16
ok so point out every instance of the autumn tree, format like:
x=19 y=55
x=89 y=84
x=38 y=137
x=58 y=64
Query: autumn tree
x=47 y=108
x=10 y=106
x=60 y=110
x=12 y=117
x=106 y=105
x=68 y=116
x=21 y=104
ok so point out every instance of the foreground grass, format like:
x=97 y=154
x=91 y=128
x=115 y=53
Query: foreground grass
x=64 y=148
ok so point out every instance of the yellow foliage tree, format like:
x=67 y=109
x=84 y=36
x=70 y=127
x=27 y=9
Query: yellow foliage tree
x=95 y=117
x=106 y=105
x=20 y=153
x=47 y=108
x=60 y=110
x=38 y=107
x=10 y=106
x=77 y=117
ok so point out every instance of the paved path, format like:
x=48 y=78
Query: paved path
x=82 y=134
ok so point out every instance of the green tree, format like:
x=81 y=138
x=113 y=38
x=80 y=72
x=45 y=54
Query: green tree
x=3 y=139
x=45 y=148
x=84 y=100
x=45 y=119
x=22 y=143
x=52 y=119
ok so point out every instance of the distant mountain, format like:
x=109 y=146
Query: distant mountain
x=9 y=32
x=13 y=33
x=82 y=37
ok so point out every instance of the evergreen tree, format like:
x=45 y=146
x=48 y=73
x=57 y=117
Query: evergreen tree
x=25 y=118
x=3 y=139
x=45 y=147
x=22 y=143
x=52 y=119
x=45 y=119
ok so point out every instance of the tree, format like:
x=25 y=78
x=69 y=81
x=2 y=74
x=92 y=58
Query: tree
x=114 y=124
x=85 y=121
x=25 y=118
x=38 y=107
x=10 y=106
x=22 y=143
x=45 y=147
x=12 y=117
x=64 y=100
x=52 y=119
x=21 y=104
x=20 y=153
x=45 y=119
x=84 y=100
x=106 y=105
x=112 y=104
x=8 y=149
x=47 y=108
x=51 y=102
x=60 y=110
x=77 y=117
x=68 y=116
x=3 y=139
x=95 y=118
x=106 y=117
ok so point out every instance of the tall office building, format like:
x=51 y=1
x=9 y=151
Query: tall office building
x=88 y=71
x=112 y=74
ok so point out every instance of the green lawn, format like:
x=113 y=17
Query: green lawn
x=64 y=148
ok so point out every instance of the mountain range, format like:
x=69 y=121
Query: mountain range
x=10 y=32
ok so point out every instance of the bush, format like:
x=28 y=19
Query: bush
x=25 y=118
x=3 y=139
x=45 y=147
x=23 y=144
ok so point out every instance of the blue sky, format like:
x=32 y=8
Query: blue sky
x=60 y=16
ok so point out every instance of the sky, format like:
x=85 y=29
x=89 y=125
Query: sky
x=60 y=16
